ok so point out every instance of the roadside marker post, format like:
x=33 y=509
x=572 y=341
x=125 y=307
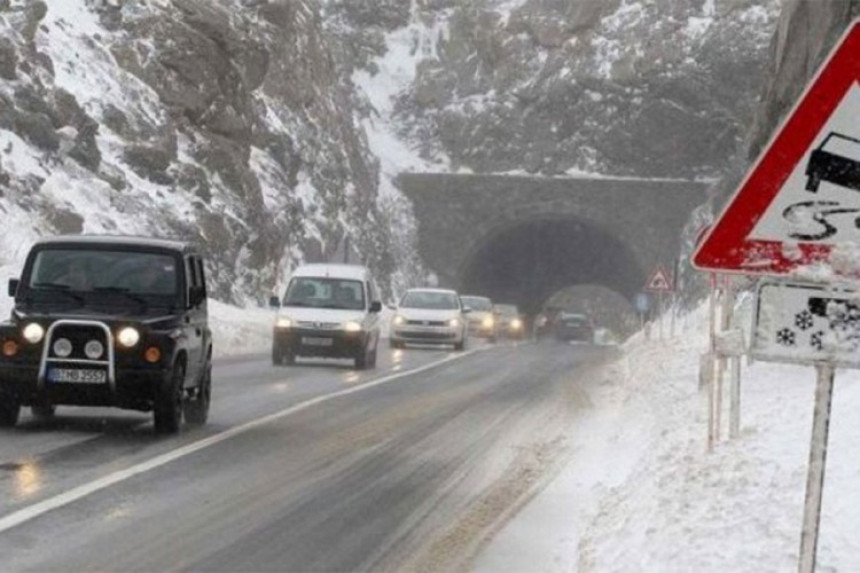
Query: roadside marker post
x=659 y=282
x=796 y=210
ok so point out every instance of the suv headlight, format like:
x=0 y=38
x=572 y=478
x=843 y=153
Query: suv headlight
x=128 y=337
x=33 y=333
x=352 y=326
x=283 y=322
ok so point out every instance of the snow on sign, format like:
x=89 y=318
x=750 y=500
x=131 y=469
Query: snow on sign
x=806 y=324
x=659 y=281
x=801 y=200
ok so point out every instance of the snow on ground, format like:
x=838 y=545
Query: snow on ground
x=643 y=494
x=240 y=330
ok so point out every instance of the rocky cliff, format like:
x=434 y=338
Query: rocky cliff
x=271 y=131
x=225 y=122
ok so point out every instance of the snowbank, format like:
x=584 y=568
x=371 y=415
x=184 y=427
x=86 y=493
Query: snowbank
x=642 y=493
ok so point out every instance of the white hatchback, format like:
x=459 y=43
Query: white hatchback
x=429 y=316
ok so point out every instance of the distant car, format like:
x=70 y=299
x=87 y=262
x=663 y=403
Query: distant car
x=482 y=319
x=574 y=326
x=429 y=316
x=109 y=321
x=510 y=322
x=329 y=311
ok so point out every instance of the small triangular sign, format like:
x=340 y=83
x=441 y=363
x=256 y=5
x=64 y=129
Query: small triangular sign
x=659 y=281
x=802 y=196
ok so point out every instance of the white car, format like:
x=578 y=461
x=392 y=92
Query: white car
x=429 y=316
x=482 y=318
x=329 y=311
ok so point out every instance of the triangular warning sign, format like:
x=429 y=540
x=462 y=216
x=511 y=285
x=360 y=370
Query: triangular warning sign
x=659 y=281
x=802 y=197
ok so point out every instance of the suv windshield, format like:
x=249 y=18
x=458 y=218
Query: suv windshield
x=478 y=303
x=104 y=271
x=431 y=300
x=325 y=293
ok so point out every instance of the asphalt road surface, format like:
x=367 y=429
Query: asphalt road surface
x=411 y=466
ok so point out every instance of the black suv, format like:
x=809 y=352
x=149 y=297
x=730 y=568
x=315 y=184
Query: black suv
x=108 y=321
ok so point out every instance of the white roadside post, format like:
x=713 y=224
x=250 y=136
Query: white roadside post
x=730 y=346
x=817 y=460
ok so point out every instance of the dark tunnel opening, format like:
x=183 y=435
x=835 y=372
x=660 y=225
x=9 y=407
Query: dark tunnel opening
x=527 y=263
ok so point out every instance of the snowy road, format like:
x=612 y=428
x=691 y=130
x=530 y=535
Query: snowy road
x=413 y=472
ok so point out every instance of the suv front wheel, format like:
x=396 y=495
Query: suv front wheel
x=10 y=409
x=168 y=403
x=197 y=408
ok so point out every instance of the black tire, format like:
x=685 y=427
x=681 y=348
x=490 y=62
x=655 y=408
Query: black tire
x=282 y=357
x=10 y=409
x=44 y=411
x=197 y=409
x=361 y=359
x=167 y=413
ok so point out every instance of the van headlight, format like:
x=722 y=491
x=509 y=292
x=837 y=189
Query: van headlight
x=33 y=333
x=352 y=326
x=488 y=322
x=399 y=320
x=454 y=322
x=283 y=322
x=516 y=324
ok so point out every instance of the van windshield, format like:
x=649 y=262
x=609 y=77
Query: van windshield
x=325 y=293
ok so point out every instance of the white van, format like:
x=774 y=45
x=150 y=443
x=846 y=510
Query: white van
x=330 y=311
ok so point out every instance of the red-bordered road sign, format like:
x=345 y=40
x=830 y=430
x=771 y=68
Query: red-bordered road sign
x=802 y=197
x=659 y=281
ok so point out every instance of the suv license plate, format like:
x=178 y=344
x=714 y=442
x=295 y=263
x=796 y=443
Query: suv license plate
x=307 y=341
x=71 y=376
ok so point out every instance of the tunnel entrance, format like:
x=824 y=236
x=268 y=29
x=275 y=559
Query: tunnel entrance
x=525 y=264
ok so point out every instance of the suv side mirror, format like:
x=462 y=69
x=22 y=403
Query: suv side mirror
x=196 y=296
x=13 y=286
x=375 y=306
x=274 y=302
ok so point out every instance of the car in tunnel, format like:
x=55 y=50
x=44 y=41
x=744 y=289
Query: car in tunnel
x=328 y=311
x=429 y=316
x=482 y=318
x=573 y=326
x=509 y=321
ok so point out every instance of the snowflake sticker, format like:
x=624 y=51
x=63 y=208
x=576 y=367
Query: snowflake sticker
x=804 y=320
x=785 y=337
x=817 y=341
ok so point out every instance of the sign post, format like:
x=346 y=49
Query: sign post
x=797 y=209
x=817 y=460
x=659 y=282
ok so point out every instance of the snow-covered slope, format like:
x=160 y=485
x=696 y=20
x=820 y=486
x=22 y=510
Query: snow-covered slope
x=662 y=88
x=227 y=123
x=643 y=494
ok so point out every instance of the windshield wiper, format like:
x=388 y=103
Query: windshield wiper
x=125 y=292
x=58 y=287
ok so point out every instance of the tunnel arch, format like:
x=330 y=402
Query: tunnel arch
x=526 y=262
